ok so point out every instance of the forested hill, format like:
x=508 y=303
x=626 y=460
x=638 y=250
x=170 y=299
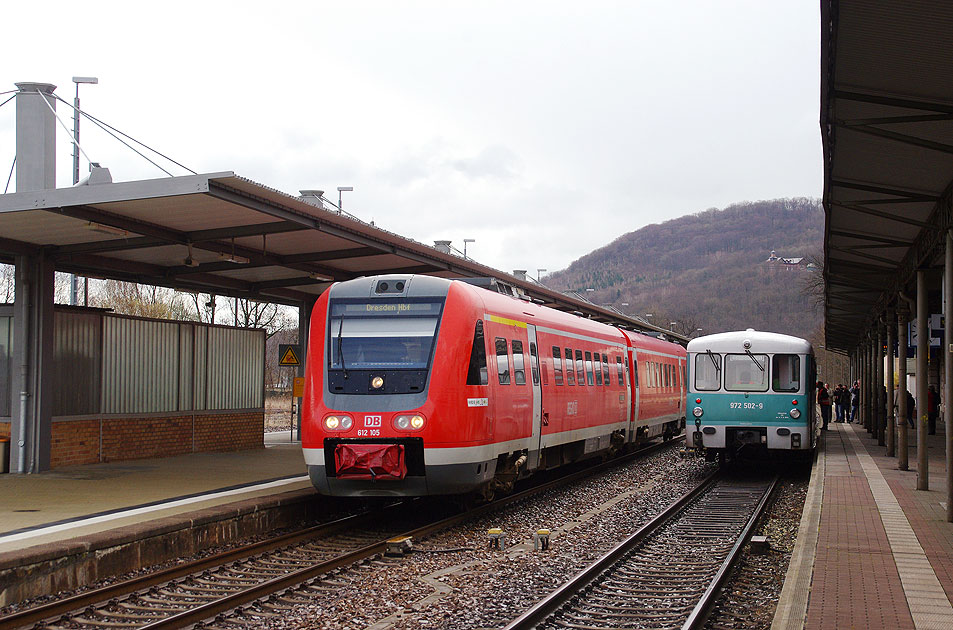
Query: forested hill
x=708 y=270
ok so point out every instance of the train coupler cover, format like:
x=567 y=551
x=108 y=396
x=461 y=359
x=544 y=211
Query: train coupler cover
x=370 y=461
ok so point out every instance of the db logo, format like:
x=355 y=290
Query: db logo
x=372 y=422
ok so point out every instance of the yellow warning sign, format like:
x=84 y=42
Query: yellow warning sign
x=288 y=355
x=298 y=390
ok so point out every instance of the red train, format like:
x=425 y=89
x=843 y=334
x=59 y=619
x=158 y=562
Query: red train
x=419 y=385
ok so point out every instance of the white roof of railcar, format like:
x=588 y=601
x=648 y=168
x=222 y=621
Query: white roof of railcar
x=762 y=342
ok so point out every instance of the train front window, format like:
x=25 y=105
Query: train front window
x=382 y=335
x=786 y=373
x=746 y=372
x=707 y=372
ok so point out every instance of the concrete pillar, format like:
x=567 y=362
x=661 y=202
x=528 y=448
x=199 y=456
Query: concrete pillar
x=31 y=382
x=948 y=373
x=923 y=351
x=891 y=411
x=902 y=454
x=36 y=137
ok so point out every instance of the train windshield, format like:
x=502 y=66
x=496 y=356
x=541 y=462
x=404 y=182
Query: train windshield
x=382 y=335
x=746 y=372
x=707 y=371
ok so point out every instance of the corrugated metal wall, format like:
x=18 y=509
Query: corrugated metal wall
x=6 y=363
x=113 y=364
x=77 y=361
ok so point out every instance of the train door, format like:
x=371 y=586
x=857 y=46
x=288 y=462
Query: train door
x=538 y=416
x=634 y=415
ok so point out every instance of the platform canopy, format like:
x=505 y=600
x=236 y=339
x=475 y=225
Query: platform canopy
x=224 y=234
x=887 y=129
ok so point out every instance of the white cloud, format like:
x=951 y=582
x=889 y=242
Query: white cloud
x=542 y=129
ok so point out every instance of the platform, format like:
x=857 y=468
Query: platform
x=55 y=524
x=872 y=551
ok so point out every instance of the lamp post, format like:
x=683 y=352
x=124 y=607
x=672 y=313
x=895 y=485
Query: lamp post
x=465 y=241
x=342 y=189
x=73 y=282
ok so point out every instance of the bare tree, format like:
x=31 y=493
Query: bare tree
x=254 y=314
x=141 y=300
x=812 y=282
x=7 y=284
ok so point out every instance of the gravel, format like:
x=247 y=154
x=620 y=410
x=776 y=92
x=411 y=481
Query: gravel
x=480 y=587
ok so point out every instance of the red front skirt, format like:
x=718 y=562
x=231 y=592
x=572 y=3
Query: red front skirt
x=370 y=461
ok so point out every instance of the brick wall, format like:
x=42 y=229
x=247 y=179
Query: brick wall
x=79 y=441
x=75 y=442
x=229 y=432
x=142 y=438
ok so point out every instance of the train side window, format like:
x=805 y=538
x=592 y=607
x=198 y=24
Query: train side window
x=502 y=361
x=589 y=380
x=707 y=371
x=557 y=365
x=580 y=369
x=606 y=377
x=668 y=375
x=786 y=373
x=519 y=371
x=618 y=369
x=570 y=371
x=534 y=362
x=635 y=371
x=598 y=368
x=476 y=373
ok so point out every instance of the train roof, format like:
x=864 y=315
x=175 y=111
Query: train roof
x=760 y=342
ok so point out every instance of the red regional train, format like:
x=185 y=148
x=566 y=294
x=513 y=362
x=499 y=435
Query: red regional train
x=417 y=385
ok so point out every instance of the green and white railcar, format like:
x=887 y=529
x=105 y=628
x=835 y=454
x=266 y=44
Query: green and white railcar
x=750 y=391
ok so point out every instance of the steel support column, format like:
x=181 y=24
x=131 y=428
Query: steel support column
x=903 y=463
x=880 y=417
x=891 y=411
x=31 y=382
x=923 y=350
x=304 y=329
x=948 y=373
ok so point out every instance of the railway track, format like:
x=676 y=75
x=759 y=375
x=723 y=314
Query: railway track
x=203 y=590
x=667 y=574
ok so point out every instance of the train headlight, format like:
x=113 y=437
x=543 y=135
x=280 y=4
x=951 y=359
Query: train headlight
x=338 y=423
x=795 y=413
x=698 y=412
x=409 y=422
x=377 y=382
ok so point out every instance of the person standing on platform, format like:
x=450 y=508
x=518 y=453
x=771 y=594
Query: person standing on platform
x=854 y=400
x=933 y=409
x=841 y=402
x=824 y=402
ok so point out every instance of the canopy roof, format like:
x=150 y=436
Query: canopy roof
x=224 y=234
x=887 y=130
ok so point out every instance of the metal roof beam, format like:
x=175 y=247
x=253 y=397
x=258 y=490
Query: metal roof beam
x=883 y=215
x=893 y=120
x=907 y=194
x=882 y=240
x=893 y=101
x=891 y=263
x=902 y=137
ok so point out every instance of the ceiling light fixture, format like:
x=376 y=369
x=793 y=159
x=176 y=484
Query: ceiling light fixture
x=106 y=229
x=235 y=258
x=189 y=261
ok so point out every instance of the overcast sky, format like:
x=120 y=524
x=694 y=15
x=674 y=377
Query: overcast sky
x=543 y=130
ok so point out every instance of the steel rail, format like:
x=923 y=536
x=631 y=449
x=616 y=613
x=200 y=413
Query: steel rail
x=207 y=611
x=555 y=600
x=698 y=616
x=109 y=593
x=83 y=600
